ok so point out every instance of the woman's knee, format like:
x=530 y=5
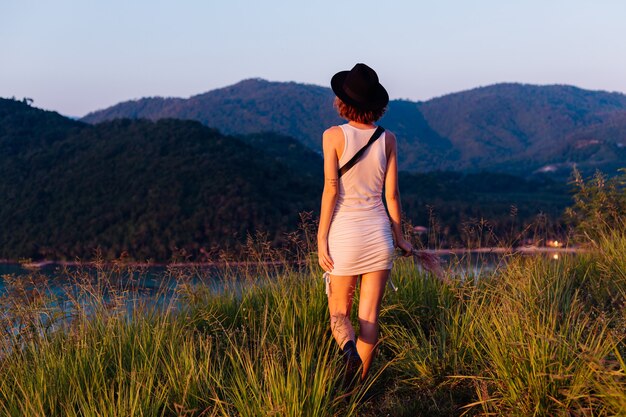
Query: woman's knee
x=368 y=331
x=369 y=314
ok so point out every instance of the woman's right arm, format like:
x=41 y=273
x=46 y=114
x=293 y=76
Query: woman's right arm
x=392 y=194
x=329 y=195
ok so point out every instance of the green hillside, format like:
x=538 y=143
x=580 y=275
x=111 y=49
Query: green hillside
x=148 y=188
x=155 y=188
x=486 y=207
x=299 y=111
x=290 y=152
x=519 y=128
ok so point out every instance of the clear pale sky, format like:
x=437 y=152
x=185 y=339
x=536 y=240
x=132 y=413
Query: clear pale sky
x=75 y=56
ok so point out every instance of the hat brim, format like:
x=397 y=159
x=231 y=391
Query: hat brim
x=378 y=99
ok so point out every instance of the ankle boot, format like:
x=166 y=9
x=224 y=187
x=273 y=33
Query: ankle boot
x=352 y=362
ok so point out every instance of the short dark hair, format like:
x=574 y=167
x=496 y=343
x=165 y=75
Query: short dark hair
x=354 y=114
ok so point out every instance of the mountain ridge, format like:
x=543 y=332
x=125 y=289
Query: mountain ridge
x=520 y=128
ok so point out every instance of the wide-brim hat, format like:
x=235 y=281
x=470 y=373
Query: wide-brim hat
x=360 y=88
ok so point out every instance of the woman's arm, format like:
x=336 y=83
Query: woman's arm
x=329 y=195
x=392 y=193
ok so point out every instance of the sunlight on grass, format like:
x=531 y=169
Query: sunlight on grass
x=535 y=336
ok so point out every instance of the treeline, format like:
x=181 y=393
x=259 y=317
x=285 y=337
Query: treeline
x=485 y=208
x=151 y=189
x=170 y=188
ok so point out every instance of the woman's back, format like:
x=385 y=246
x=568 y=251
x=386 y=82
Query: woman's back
x=360 y=188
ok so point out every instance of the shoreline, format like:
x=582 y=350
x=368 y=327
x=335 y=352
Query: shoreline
x=451 y=251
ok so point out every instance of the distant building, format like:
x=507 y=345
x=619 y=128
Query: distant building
x=418 y=230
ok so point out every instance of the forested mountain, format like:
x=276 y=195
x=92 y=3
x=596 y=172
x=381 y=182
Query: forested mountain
x=24 y=128
x=250 y=106
x=488 y=208
x=528 y=126
x=296 y=110
x=289 y=152
x=153 y=188
x=148 y=188
x=515 y=128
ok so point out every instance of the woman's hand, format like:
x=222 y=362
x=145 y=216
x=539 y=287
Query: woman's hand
x=324 y=259
x=405 y=245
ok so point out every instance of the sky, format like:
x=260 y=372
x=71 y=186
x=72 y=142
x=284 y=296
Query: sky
x=77 y=56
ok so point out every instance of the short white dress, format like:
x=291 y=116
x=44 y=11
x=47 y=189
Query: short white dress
x=359 y=238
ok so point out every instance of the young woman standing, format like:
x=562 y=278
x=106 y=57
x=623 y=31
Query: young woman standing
x=356 y=235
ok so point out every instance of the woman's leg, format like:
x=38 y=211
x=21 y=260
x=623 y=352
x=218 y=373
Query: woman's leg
x=371 y=295
x=339 y=304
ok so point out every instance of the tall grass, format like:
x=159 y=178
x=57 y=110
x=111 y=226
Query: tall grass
x=539 y=347
x=535 y=337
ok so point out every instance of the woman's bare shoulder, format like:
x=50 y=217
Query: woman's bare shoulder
x=333 y=131
x=390 y=138
x=333 y=134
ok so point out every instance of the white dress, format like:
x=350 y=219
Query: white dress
x=359 y=238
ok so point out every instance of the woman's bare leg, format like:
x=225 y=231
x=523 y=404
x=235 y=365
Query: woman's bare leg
x=339 y=304
x=371 y=294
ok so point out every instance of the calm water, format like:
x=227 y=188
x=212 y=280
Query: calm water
x=51 y=290
x=62 y=287
x=148 y=280
x=136 y=282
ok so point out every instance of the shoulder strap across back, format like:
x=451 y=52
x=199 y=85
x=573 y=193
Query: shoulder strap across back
x=379 y=130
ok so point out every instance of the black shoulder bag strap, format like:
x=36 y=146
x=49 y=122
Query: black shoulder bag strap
x=379 y=131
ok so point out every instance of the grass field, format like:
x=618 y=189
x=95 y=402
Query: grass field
x=535 y=337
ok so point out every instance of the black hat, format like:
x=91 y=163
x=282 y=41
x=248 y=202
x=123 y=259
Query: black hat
x=360 y=88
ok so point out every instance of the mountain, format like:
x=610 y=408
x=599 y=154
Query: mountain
x=289 y=152
x=24 y=128
x=300 y=111
x=152 y=189
x=146 y=188
x=601 y=145
x=517 y=128
x=250 y=106
x=488 y=207
x=525 y=126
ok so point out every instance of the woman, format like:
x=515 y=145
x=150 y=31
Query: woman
x=355 y=235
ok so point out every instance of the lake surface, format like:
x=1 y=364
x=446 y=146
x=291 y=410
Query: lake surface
x=144 y=279
x=54 y=293
x=148 y=280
